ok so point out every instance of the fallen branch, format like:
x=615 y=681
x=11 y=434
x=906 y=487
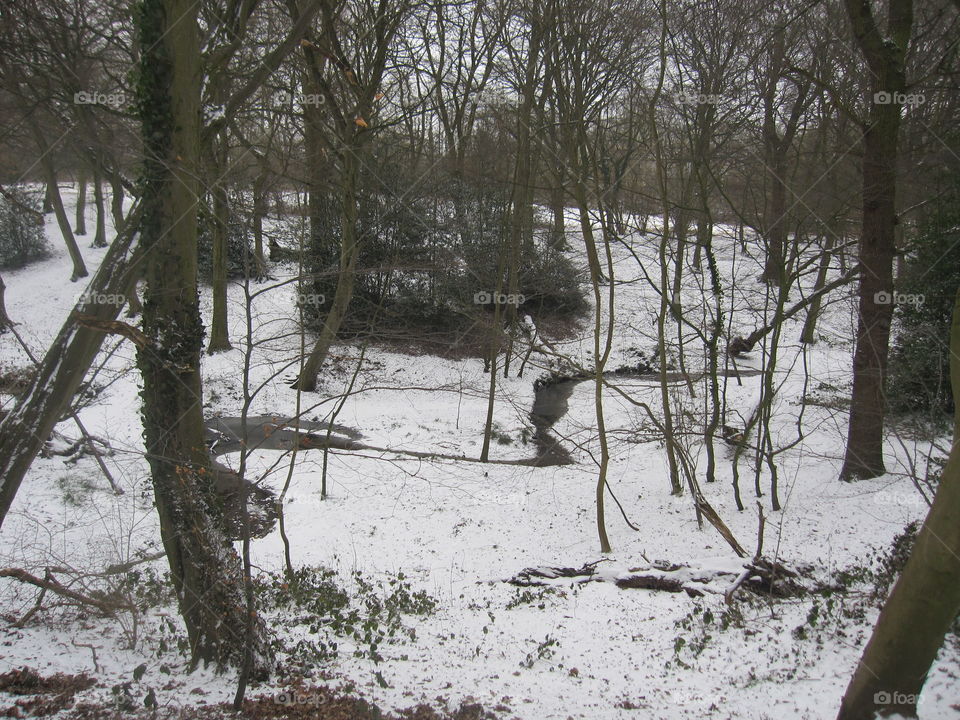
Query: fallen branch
x=104 y=605
x=741 y=345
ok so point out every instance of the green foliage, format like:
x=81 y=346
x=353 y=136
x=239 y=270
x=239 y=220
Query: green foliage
x=313 y=598
x=544 y=651
x=919 y=368
x=531 y=596
x=429 y=242
x=22 y=239
x=697 y=629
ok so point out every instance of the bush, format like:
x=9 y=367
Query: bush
x=919 y=367
x=430 y=242
x=22 y=239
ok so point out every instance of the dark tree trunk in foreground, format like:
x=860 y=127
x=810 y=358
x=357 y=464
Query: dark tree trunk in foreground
x=886 y=57
x=205 y=568
x=924 y=602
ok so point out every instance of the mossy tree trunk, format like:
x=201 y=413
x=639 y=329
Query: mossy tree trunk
x=205 y=568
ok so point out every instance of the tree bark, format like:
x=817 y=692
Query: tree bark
x=25 y=428
x=925 y=600
x=343 y=294
x=886 y=57
x=219 y=333
x=5 y=321
x=205 y=568
x=81 y=217
x=100 y=236
x=63 y=222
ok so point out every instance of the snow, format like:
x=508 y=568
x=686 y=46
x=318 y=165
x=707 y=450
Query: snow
x=456 y=529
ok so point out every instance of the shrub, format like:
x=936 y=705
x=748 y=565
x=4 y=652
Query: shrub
x=22 y=239
x=431 y=241
x=919 y=367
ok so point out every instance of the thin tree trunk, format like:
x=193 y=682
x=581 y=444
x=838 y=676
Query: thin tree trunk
x=81 y=216
x=63 y=222
x=116 y=199
x=349 y=254
x=259 y=213
x=925 y=601
x=100 y=238
x=809 y=334
x=219 y=333
x=47 y=199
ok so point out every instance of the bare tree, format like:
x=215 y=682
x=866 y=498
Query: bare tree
x=886 y=56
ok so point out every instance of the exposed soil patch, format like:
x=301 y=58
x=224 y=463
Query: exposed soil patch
x=42 y=696
x=306 y=703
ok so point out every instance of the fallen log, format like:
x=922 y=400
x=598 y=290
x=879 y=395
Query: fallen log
x=761 y=576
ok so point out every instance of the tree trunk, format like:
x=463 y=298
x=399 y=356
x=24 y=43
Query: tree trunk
x=47 y=199
x=205 y=568
x=5 y=321
x=259 y=213
x=925 y=601
x=219 y=333
x=26 y=427
x=349 y=253
x=81 y=217
x=809 y=334
x=100 y=238
x=63 y=222
x=558 y=232
x=886 y=58
x=774 y=269
x=116 y=200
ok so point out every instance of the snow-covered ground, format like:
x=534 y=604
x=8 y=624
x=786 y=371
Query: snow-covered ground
x=456 y=529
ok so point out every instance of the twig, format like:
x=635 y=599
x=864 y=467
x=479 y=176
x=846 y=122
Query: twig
x=93 y=651
x=761 y=523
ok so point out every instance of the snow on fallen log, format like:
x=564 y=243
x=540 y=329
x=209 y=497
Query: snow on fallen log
x=723 y=576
